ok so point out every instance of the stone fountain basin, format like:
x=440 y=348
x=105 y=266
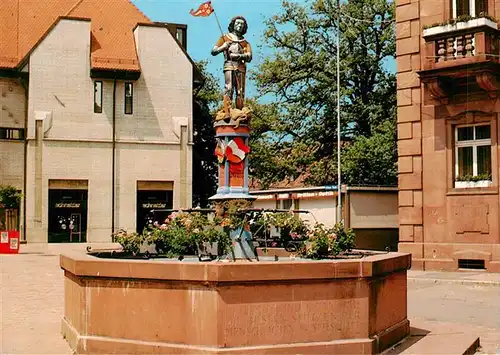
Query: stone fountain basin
x=352 y=306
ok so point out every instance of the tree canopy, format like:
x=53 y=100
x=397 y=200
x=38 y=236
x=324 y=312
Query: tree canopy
x=296 y=135
x=205 y=102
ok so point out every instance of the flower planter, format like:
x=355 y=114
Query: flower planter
x=478 y=22
x=208 y=250
x=472 y=184
x=355 y=306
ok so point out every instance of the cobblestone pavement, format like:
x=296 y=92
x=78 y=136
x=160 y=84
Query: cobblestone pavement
x=31 y=304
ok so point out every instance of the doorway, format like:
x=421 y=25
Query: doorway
x=148 y=200
x=67 y=216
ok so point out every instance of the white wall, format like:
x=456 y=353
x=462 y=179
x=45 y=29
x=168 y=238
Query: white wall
x=322 y=210
x=374 y=209
x=12 y=103
x=12 y=115
x=165 y=91
x=264 y=204
x=78 y=145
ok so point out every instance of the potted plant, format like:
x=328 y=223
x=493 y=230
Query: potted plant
x=460 y=23
x=10 y=200
x=473 y=181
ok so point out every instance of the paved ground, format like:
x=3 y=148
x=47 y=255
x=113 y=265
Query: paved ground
x=31 y=302
x=468 y=308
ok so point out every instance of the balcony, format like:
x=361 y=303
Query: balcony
x=461 y=57
x=461 y=43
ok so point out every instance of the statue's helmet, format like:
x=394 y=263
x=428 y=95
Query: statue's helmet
x=233 y=20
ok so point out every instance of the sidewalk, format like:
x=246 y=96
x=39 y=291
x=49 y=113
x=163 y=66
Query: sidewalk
x=460 y=277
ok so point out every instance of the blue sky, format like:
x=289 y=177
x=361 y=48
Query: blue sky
x=203 y=32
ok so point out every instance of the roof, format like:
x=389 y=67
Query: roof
x=24 y=23
x=326 y=188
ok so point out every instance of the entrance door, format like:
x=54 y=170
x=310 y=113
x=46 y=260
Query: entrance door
x=67 y=216
x=75 y=227
x=148 y=200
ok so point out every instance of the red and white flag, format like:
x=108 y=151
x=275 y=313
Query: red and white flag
x=204 y=10
x=237 y=150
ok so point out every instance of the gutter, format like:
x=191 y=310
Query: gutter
x=113 y=164
x=25 y=84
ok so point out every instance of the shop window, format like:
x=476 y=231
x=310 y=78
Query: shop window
x=15 y=134
x=473 y=156
x=472 y=8
x=98 y=96
x=129 y=94
x=67 y=213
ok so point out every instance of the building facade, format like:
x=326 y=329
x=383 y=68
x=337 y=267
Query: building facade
x=448 y=108
x=96 y=119
x=372 y=212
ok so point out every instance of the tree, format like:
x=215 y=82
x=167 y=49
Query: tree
x=301 y=75
x=370 y=160
x=205 y=102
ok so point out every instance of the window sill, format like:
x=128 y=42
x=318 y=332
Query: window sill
x=473 y=191
x=473 y=184
x=12 y=140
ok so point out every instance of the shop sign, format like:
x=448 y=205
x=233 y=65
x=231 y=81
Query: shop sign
x=67 y=205
x=303 y=195
x=283 y=196
x=150 y=205
x=265 y=197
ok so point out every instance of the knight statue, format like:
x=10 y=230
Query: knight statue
x=237 y=52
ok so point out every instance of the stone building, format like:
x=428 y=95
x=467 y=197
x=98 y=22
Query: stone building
x=448 y=107
x=96 y=115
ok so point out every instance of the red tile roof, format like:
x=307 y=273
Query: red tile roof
x=23 y=23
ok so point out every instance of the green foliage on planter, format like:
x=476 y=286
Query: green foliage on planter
x=180 y=234
x=472 y=178
x=462 y=18
x=10 y=197
x=291 y=226
x=130 y=242
x=323 y=242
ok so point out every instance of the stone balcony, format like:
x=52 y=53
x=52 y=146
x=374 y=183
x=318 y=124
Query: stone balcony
x=461 y=56
x=462 y=43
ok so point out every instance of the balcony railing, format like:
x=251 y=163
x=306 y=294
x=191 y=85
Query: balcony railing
x=468 y=42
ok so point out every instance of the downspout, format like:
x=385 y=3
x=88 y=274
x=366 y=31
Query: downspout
x=25 y=85
x=113 y=174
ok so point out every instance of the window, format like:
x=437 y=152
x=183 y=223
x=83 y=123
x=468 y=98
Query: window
x=129 y=94
x=469 y=7
x=98 y=96
x=473 y=153
x=287 y=204
x=180 y=35
x=16 y=134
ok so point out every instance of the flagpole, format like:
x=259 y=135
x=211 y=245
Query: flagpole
x=339 y=176
x=218 y=23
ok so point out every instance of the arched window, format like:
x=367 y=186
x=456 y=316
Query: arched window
x=472 y=8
